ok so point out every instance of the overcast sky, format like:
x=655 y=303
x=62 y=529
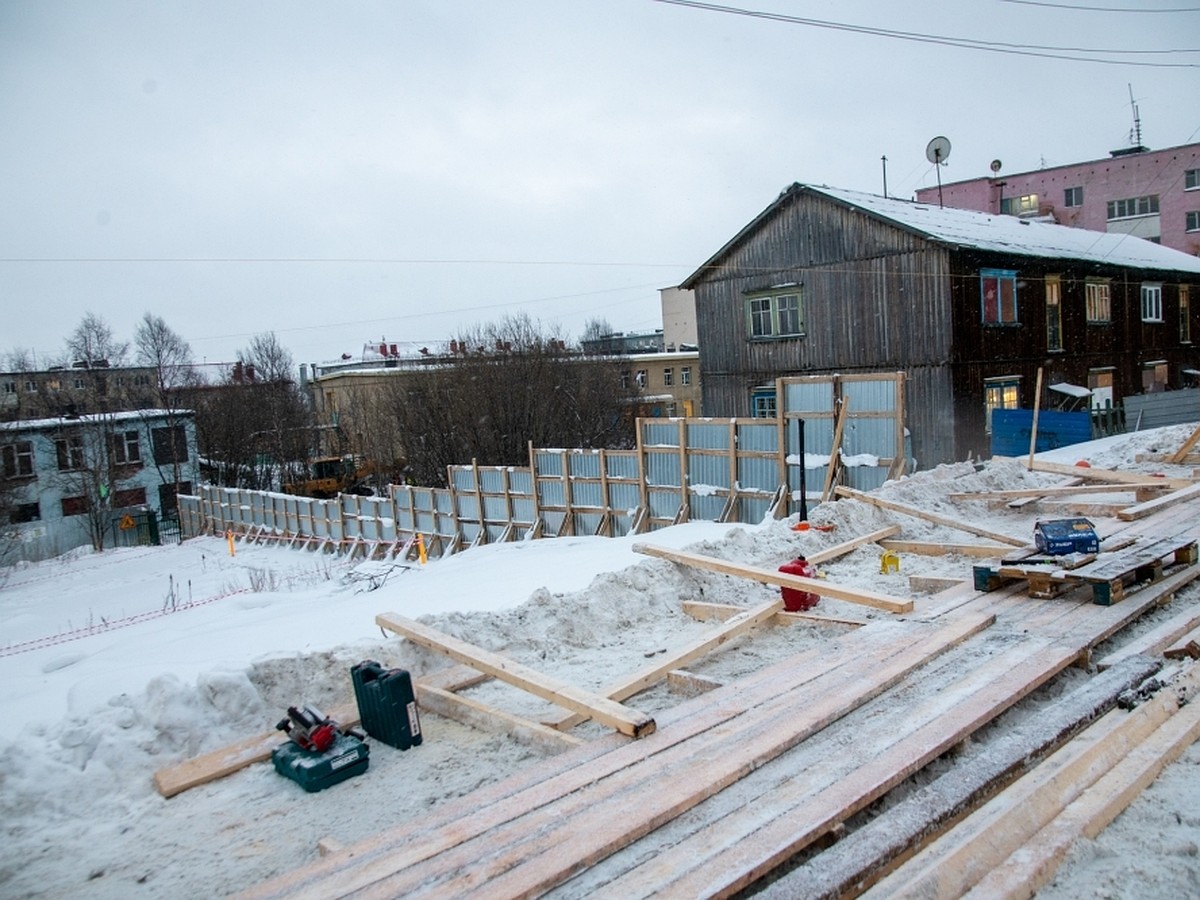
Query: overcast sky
x=343 y=172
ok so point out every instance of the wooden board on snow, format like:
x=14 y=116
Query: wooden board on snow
x=782 y=579
x=609 y=712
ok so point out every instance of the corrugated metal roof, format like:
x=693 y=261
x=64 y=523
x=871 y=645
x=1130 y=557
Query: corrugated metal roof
x=984 y=231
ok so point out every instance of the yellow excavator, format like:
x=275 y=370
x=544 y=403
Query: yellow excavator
x=333 y=475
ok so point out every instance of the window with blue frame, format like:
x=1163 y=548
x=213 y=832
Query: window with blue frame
x=762 y=403
x=998 y=296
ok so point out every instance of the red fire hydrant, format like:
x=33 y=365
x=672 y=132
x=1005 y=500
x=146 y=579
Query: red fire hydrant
x=794 y=600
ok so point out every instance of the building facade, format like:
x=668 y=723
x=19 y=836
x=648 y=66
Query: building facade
x=72 y=481
x=1151 y=194
x=969 y=306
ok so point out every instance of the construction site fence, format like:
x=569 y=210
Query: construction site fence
x=835 y=430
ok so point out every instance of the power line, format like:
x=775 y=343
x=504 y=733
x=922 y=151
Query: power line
x=1069 y=54
x=1107 y=9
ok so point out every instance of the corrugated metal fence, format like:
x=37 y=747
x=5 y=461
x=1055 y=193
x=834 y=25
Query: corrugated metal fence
x=727 y=470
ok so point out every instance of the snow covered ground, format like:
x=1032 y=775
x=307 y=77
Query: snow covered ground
x=114 y=665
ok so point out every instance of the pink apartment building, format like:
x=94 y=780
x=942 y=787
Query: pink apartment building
x=1151 y=194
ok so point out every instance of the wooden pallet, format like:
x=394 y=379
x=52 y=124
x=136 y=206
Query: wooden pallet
x=1107 y=575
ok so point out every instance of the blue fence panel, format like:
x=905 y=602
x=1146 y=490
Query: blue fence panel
x=1012 y=428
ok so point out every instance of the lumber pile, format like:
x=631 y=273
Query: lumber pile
x=759 y=783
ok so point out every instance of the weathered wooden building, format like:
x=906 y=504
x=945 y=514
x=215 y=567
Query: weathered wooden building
x=968 y=305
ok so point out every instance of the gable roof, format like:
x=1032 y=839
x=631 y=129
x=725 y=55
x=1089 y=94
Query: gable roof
x=968 y=229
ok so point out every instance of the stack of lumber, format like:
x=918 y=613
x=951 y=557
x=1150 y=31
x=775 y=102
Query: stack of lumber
x=753 y=780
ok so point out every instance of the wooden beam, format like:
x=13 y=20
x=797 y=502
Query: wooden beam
x=704 y=612
x=835 y=454
x=609 y=712
x=690 y=684
x=744 y=620
x=894 y=835
x=781 y=579
x=1034 y=864
x=968 y=852
x=1062 y=490
x=929 y=548
x=873 y=537
x=172 y=780
x=928 y=516
x=1089 y=473
x=497 y=721
x=1179 y=455
x=191 y=773
x=1156 y=641
x=1037 y=409
x=1141 y=510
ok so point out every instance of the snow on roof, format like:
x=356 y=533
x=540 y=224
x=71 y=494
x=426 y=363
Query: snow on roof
x=98 y=418
x=1072 y=390
x=985 y=231
x=1008 y=234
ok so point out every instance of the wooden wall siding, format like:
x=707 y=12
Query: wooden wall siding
x=875 y=298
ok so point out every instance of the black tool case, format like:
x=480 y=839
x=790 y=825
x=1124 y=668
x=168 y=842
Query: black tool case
x=386 y=704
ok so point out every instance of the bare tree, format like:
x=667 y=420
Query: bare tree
x=514 y=383
x=596 y=328
x=271 y=361
x=92 y=343
x=93 y=470
x=20 y=359
x=162 y=349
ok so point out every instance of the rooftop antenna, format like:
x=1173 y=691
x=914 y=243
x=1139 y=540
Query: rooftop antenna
x=937 y=152
x=1135 y=136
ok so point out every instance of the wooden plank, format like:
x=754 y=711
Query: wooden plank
x=539 y=850
x=690 y=684
x=702 y=611
x=861 y=857
x=733 y=852
x=1037 y=409
x=496 y=721
x=952 y=865
x=930 y=548
x=1033 y=865
x=957 y=524
x=745 y=620
x=609 y=712
x=1141 y=510
x=1061 y=491
x=1091 y=473
x=1181 y=454
x=841 y=549
x=782 y=579
x=622 y=783
x=835 y=455
x=1155 y=641
x=191 y=773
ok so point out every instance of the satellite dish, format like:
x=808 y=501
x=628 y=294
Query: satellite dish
x=938 y=150
x=995 y=165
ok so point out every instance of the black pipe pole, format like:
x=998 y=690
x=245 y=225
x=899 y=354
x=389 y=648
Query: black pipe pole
x=803 y=471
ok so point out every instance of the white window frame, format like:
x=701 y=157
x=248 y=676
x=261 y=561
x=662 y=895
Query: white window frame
x=127 y=448
x=668 y=376
x=1152 y=306
x=18 y=459
x=68 y=451
x=1191 y=221
x=1073 y=197
x=1191 y=179
x=1133 y=207
x=763 y=404
x=685 y=375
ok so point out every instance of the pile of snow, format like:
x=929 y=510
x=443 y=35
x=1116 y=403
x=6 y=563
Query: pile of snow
x=114 y=665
